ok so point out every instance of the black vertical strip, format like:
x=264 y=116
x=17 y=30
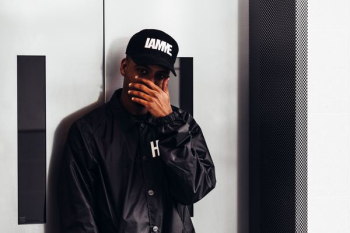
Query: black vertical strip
x=31 y=103
x=186 y=84
x=104 y=52
x=272 y=116
x=186 y=92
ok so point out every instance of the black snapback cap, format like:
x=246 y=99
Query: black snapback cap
x=153 y=47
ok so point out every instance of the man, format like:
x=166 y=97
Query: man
x=134 y=164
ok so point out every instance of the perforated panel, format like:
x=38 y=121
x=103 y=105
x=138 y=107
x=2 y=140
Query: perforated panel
x=277 y=118
x=301 y=117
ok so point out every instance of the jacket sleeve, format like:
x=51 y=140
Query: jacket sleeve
x=189 y=166
x=76 y=182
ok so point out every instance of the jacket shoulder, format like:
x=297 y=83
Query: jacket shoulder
x=184 y=115
x=180 y=112
x=90 y=121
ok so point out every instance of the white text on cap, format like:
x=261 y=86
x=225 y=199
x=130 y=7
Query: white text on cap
x=163 y=46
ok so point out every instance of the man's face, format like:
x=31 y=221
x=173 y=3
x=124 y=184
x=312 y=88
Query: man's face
x=155 y=73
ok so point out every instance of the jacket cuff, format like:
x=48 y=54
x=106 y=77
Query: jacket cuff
x=165 y=120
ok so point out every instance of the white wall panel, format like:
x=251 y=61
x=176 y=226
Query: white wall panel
x=208 y=32
x=69 y=34
x=329 y=117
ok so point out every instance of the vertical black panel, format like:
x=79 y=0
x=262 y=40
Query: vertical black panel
x=186 y=84
x=31 y=100
x=272 y=116
x=186 y=92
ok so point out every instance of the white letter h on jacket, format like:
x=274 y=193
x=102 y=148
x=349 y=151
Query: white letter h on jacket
x=155 y=148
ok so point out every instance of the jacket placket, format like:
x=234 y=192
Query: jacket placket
x=152 y=176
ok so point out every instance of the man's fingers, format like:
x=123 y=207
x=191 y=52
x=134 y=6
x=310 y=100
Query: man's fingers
x=149 y=83
x=142 y=87
x=140 y=101
x=139 y=94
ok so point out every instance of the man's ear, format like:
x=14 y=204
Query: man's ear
x=123 y=66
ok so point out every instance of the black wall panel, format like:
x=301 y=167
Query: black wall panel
x=273 y=116
x=186 y=92
x=31 y=102
x=186 y=84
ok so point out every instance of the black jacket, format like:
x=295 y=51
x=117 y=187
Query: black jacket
x=133 y=175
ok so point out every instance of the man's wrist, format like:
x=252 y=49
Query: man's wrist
x=166 y=119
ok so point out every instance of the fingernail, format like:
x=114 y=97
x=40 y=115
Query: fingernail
x=132 y=98
x=136 y=76
x=129 y=92
x=129 y=84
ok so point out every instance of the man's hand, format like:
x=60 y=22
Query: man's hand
x=155 y=99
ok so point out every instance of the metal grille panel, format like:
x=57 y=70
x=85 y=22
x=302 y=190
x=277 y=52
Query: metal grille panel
x=278 y=117
x=301 y=117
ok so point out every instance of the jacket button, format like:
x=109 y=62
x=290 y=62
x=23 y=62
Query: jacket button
x=155 y=229
x=144 y=158
x=143 y=125
x=150 y=192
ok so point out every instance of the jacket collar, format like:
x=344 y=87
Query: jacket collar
x=126 y=119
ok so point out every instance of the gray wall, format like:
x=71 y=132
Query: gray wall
x=70 y=34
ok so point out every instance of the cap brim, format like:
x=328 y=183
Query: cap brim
x=152 y=60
